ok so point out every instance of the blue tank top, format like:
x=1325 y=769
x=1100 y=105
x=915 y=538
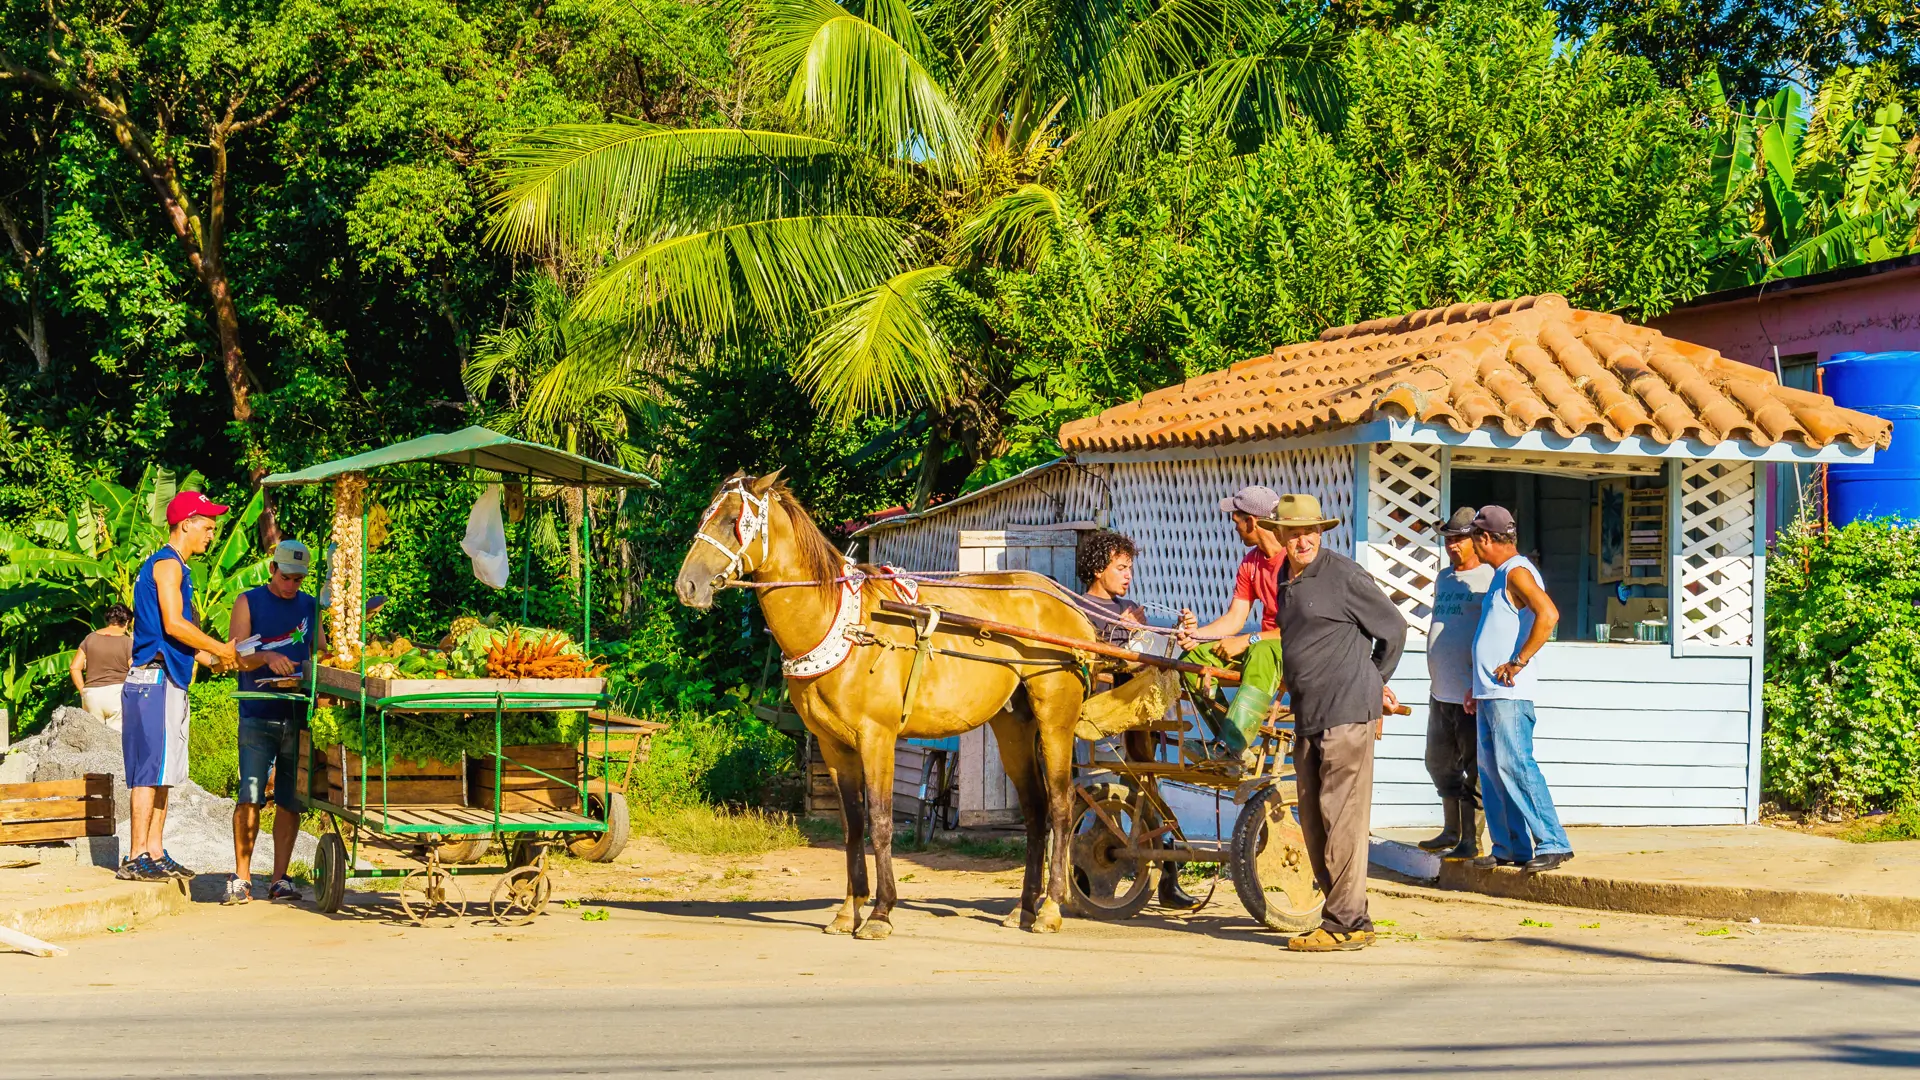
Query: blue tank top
x=1502 y=628
x=150 y=638
x=286 y=627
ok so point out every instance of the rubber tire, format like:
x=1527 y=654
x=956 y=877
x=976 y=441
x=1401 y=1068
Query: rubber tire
x=330 y=874
x=1249 y=837
x=1143 y=887
x=606 y=846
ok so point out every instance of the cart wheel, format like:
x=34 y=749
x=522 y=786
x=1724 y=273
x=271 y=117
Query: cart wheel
x=1271 y=871
x=432 y=897
x=1105 y=884
x=464 y=851
x=330 y=874
x=521 y=895
x=606 y=846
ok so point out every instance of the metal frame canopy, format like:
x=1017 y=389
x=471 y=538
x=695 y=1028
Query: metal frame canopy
x=475 y=448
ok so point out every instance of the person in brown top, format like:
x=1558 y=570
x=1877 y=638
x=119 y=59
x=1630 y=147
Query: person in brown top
x=100 y=666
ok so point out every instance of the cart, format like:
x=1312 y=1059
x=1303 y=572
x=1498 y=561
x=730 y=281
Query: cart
x=436 y=826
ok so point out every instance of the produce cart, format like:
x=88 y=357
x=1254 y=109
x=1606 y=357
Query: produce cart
x=436 y=816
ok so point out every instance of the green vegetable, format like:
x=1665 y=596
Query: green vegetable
x=444 y=737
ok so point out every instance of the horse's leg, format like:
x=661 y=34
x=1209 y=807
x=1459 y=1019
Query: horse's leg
x=1013 y=729
x=844 y=763
x=876 y=762
x=1055 y=699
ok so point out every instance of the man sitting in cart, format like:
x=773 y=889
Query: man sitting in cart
x=281 y=627
x=1257 y=655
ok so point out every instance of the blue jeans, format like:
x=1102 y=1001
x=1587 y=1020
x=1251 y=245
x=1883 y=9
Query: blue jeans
x=264 y=745
x=1521 y=820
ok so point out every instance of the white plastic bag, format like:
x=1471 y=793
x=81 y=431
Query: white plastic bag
x=486 y=539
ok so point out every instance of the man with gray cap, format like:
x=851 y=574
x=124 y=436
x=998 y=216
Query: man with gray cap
x=278 y=628
x=1451 y=737
x=1257 y=655
x=1515 y=623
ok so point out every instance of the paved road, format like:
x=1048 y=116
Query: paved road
x=1721 y=1024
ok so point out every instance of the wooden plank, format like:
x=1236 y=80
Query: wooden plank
x=544 y=798
x=28 y=944
x=347 y=683
x=46 y=789
x=1604 y=795
x=51 y=809
x=28 y=832
x=1561 y=774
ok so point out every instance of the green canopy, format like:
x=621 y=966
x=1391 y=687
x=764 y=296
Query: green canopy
x=478 y=448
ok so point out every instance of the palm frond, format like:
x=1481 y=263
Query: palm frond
x=1018 y=227
x=772 y=271
x=852 y=80
x=882 y=350
x=587 y=186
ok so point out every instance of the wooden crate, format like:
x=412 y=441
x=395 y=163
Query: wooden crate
x=346 y=685
x=408 y=783
x=523 y=789
x=56 y=809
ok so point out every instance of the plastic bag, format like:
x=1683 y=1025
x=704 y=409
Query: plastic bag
x=486 y=540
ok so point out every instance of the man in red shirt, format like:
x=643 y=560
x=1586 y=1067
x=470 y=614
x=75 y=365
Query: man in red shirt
x=1256 y=654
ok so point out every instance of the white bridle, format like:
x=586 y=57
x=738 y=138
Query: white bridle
x=750 y=526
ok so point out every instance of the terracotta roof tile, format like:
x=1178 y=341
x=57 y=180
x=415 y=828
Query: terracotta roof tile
x=1527 y=364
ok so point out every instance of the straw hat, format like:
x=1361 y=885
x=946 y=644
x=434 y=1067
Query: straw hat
x=1298 y=512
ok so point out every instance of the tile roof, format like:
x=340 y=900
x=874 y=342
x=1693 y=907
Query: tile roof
x=1532 y=363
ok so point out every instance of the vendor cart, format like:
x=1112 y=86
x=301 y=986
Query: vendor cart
x=433 y=823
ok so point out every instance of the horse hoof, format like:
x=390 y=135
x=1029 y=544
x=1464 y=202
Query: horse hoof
x=874 y=930
x=1018 y=919
x=1048 y=920
x=844 y=924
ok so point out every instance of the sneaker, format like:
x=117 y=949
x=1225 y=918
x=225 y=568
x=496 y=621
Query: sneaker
x=125 y=873
x=283 y=889
x=172 y=869
x=1320 y=939
x=239 y=891
x=143 y=868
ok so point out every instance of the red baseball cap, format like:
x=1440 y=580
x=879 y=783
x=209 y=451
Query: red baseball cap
x=189 y=503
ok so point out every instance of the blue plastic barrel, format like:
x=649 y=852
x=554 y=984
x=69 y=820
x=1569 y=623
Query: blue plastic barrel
x=1887 y=385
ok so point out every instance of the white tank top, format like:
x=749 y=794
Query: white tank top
x=1502 y=628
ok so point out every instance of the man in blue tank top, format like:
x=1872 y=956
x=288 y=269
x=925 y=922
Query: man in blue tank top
x=286 y=624
x=167 y=642
x=1516 y=620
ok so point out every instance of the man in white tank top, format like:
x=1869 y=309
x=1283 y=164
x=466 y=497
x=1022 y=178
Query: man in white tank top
x=1515 y=622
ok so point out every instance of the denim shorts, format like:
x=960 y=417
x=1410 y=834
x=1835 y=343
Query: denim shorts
x=269 y=745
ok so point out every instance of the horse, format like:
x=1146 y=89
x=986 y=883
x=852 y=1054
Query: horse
x=849 y=672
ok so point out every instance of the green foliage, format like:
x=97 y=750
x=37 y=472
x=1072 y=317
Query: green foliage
x=1902 y=823
x=1843 y=666
x=444 y=737
x=213 y=736
x=722 y=758
x=705 y=830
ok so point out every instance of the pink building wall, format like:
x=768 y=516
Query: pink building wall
x=1845 y=311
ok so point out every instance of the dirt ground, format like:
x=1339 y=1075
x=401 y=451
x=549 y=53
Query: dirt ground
x=674 y=920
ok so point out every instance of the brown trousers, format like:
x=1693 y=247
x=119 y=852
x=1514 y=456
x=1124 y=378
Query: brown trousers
x=1335 y=773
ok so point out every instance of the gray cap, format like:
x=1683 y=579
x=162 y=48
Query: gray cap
x=292 y=557
x=1255 y=500
x=1493 y=519
x=1461 y=523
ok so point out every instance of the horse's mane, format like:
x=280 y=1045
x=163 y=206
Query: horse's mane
x=817 y=553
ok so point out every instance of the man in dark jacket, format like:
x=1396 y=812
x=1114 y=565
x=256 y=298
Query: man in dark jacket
x=1340 y=639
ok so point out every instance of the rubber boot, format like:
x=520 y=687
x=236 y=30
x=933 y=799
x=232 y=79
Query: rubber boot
x=1171 y=894
x=1469 y=845
x=1244 y=717
x=1450 y=833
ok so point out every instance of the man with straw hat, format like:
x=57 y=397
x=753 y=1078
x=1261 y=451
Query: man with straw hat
x=1341 y=640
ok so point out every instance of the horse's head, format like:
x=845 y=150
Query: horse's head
x=733 y=539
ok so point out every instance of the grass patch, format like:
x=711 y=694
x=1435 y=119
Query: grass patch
x=1536 y=922
x=998 y=848
x=823 y=830
x=704 y=830
x=1900 y=824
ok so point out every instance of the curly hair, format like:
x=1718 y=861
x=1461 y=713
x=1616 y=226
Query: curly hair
x=118 y=615
x=1097 y=550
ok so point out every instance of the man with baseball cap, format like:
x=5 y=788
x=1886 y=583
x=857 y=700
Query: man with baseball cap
x=167 y=643
x=1515 y=623
x=1451 y=735
x=1343 y=639
x=280 y=627
x=1256 y=655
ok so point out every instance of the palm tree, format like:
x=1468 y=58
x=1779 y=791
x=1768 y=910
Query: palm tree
x=913 y=145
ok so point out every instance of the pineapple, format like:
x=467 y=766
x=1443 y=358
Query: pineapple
x=461 y=625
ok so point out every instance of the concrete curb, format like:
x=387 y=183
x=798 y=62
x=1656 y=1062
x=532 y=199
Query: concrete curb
x=1732 y=903
x=96 y=910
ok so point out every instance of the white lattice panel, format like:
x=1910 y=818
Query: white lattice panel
x=1188 y=549
x=1062 y=493
x=1715 y=594
x=1403 y=507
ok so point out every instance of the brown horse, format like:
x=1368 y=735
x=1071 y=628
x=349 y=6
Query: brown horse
x=1030 y=694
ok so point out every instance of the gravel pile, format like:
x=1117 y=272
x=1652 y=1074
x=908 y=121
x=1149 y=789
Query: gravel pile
x=199 y=824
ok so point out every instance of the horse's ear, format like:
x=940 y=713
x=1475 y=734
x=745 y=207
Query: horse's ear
x=765 y=483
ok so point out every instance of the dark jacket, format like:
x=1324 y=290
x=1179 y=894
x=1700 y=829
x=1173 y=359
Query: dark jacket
x=1340 y=639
